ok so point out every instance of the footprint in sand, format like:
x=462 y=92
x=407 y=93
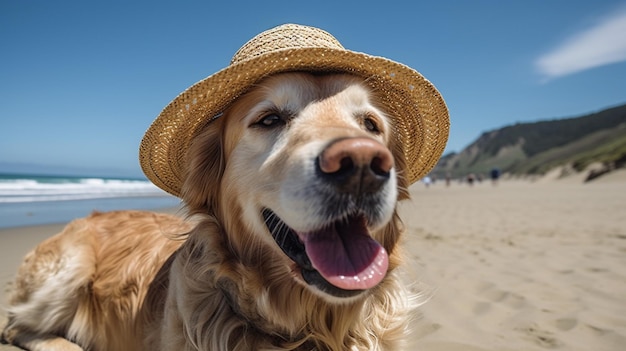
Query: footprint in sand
x=540 y=337
x=509 y=299
x=566 y=324
x=425 y=329
x=481 y=308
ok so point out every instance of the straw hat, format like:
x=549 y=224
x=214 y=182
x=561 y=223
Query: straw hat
x=419 y=114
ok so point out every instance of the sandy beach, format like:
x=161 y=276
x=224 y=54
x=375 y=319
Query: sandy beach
x=520 y=266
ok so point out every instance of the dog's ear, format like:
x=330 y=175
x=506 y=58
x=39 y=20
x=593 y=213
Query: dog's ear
x=205 y=158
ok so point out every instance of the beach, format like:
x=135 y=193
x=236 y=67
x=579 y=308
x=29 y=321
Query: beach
x=521 y=266
x=518 y=266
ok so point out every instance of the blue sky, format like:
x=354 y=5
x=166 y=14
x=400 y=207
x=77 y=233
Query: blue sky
x=81 y=81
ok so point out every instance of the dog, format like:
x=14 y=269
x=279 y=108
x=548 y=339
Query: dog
x=291 y=242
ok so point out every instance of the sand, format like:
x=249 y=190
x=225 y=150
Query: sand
x=520 y=266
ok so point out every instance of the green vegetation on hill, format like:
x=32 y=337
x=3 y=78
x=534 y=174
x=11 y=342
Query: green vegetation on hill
x=535 y=148
x=613 y=151
x=602 y=146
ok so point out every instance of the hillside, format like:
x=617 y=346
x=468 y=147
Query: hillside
x=536 y=148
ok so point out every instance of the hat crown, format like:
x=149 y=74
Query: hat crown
x=287 y=36
x=415 y=107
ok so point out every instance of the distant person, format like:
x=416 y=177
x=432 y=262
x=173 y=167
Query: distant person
x=470 y=179
x=495 y=175
x=448 y=179
x=427 y=181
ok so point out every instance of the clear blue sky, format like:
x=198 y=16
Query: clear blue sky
x=80 y=81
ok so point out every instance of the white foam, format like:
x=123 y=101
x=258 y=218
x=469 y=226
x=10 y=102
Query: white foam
x=31 y=190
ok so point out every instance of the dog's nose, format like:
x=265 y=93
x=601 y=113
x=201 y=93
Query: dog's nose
x=356 y=165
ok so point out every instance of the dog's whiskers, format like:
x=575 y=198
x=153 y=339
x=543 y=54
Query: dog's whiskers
x=277 y=227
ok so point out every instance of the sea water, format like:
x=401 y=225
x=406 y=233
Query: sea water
x=40 y=199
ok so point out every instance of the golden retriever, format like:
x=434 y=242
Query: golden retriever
x=292 y=245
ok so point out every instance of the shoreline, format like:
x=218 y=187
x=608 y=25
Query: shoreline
x=174 y=210
x=15 y=215
x=520 y=266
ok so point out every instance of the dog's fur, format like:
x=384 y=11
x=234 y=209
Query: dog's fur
x=132 y=280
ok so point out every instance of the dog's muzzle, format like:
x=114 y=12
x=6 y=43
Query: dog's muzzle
x=355 y=165
x=340 y=257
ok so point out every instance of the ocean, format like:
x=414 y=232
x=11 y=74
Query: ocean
x=40 y=199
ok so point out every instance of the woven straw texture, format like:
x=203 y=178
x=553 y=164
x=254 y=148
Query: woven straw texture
x=419 y=114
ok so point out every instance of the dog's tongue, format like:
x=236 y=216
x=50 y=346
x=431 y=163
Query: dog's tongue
x=346 y=256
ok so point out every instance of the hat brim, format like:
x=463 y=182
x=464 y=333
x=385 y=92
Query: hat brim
x=419 y=113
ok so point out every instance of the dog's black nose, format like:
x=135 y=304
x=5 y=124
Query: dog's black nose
x=356 y=165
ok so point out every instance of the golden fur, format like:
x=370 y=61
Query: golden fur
x=132 y=280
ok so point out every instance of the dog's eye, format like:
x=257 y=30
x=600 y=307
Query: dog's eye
x=370 y=125
x=271 y=120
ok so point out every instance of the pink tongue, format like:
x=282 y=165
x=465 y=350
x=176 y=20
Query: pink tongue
x=346 y=256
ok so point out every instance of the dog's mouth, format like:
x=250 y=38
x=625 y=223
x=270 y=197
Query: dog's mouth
x=340 y=258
